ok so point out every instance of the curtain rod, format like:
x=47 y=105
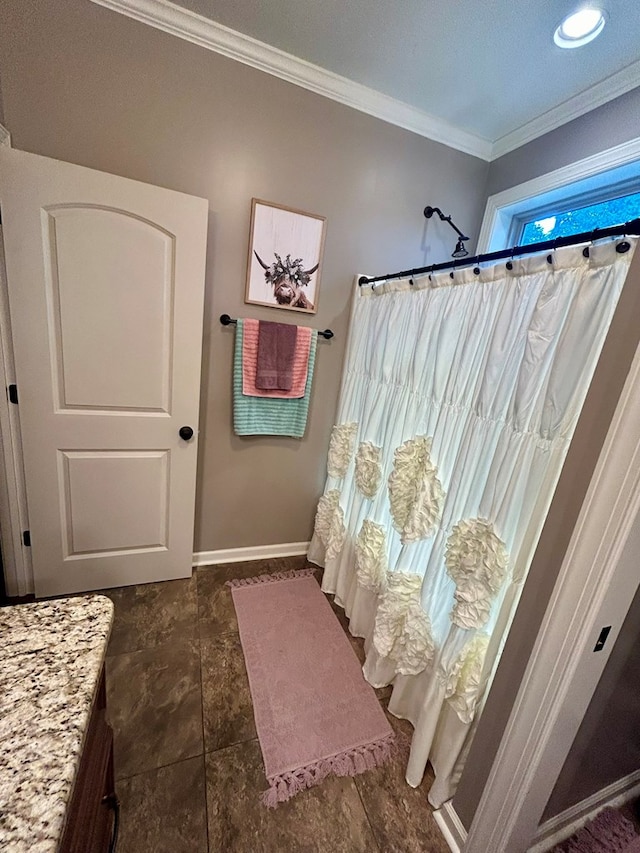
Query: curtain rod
x=631 y=228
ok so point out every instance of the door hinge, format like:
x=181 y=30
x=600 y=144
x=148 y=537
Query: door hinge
x=13 y=394
x=26 y=538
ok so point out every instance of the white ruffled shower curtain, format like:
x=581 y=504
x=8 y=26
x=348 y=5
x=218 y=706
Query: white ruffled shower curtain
x=459 y=399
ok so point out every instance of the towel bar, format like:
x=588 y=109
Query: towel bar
x=226 y=320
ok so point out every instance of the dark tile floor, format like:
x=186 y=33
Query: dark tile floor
x=188 y=764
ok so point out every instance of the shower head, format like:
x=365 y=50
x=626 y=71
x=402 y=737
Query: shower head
x=460 y=250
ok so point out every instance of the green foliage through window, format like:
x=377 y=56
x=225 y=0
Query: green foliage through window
x=615 y=211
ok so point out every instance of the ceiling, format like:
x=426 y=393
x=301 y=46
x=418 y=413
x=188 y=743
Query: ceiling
x=488 y=68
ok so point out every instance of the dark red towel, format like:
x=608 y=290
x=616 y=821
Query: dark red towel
x=276 y=352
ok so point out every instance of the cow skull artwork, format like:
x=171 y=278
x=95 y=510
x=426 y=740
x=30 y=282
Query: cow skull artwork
x=288 y=278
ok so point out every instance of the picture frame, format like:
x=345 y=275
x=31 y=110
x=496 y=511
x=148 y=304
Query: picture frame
x=284 y=262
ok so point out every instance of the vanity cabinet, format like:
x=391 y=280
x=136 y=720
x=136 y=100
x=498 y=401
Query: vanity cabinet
x=56 y=762
x=93 y=813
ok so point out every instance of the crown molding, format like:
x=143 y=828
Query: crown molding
x=194 y=28
x=204 y=32
x=590 y=99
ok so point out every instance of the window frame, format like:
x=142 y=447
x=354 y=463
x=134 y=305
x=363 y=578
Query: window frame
x=610 y=173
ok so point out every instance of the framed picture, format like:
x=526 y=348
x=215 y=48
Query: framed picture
x=285 y=257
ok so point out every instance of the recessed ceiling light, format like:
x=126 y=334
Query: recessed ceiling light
x=580 y=28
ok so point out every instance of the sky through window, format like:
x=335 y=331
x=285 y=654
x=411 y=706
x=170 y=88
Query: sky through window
x=615 y=211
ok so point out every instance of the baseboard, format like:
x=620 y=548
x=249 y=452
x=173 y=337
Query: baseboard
x=451 y=827
x=559 y=828
x=253 y=552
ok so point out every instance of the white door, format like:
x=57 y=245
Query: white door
x=106 y=283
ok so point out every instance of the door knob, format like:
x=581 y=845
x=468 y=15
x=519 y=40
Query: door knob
x=185 y=432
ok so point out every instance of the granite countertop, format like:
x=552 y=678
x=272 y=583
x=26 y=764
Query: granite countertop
x=51 y=656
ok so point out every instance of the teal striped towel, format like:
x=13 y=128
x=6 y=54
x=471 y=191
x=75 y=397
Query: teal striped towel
x=269 y=415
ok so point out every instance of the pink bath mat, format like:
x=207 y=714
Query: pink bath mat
x=315 y=714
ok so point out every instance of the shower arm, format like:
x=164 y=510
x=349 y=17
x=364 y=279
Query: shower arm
x=429 y=211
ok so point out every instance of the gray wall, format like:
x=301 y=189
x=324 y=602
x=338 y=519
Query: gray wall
x=607 y=746
x=608 y=125
x=84 y=84
x=605 y=127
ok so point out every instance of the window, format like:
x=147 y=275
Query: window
x=602 y=214
x=596 y=192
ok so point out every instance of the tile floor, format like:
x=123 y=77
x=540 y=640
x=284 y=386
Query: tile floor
x=188 y=764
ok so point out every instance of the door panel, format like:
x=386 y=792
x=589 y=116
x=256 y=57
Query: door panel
x=98 y=521
x=116 y=272
x=106 y=283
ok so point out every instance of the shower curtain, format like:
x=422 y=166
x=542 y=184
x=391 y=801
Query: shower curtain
x=460 y=396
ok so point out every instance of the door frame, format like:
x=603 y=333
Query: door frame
x=14 y=519
x=594 y=589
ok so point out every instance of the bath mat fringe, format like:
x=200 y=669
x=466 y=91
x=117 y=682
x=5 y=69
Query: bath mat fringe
x=276 y=576
x=352 y=762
